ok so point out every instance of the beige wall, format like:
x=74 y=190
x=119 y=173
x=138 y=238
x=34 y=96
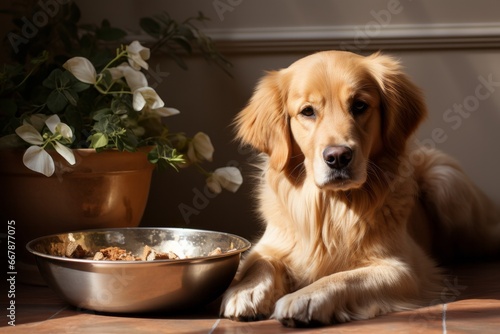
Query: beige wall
x=449 y=53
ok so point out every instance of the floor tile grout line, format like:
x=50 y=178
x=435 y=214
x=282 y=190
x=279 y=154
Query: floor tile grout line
x=55 y=314
x=445 y=306
x=214 y=326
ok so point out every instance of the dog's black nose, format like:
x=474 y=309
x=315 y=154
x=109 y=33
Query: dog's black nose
x=337 y=157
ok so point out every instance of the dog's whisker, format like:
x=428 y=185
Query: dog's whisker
x=298 y=167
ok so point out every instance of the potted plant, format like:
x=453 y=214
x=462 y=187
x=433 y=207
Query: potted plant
x=85 y=123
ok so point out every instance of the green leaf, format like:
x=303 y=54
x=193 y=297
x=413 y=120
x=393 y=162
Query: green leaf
x=150 y=26
x=102 y=124
x=184 y=43
x=153 y=155
x=185 y=31
x=56 y=101
x=166 y=20
x=79 y=86
x=105 y=23
x=53 y=78
x=107 y=77
x=66 y=78
x=99 y=58
x=98 y=140
x=71 y=96
x=101 y=113
x=129 y=141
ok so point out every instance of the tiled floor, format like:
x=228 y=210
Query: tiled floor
x=473 y=307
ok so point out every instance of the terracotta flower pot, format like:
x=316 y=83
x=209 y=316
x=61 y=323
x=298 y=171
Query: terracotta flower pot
x=105 y=189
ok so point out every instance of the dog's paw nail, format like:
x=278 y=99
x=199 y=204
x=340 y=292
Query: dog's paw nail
x=287 y=322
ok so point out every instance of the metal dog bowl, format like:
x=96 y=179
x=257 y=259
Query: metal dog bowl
x=140 y=286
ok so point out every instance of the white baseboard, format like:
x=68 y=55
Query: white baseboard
x=358 y=38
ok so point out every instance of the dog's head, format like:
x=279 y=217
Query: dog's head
x=334 y=112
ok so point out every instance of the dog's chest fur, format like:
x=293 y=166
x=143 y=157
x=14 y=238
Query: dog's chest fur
x=333 y=231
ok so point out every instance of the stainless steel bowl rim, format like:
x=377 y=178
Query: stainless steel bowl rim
x=240 y=250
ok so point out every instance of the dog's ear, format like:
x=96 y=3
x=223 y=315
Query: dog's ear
x=264 y=124
x=403 y=106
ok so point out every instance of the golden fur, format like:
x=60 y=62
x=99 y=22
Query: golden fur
x=350 y=241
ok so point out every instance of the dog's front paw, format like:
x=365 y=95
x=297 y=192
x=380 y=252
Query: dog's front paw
x=249 y=301
x=302 y=310
x=309 y=309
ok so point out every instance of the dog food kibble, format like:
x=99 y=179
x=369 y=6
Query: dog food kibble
x=76 y=251
x=216 y=251
x=149 y=254
x=114 y=254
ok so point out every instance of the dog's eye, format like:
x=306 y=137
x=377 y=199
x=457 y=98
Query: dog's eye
x=358 y=107
x=308 y=112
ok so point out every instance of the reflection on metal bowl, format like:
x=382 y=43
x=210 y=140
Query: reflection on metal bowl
x=140 y=286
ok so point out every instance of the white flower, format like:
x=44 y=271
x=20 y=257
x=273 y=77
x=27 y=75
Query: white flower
x=116 y=73
x=200 y=148
x=161 y=112
x=228 y=178
x=166 y=111
x=65 y=152
x=135 y=79
x=82 y=69
x=29 y=134
x=146 y=96
x=56 y=126
x=37 y=120
x=35 y=157
x=137 y=54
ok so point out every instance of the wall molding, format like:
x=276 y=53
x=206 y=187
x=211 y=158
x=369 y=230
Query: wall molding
x=368 y=38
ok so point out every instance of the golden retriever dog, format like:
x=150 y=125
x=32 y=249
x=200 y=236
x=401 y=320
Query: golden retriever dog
x=356 y=217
